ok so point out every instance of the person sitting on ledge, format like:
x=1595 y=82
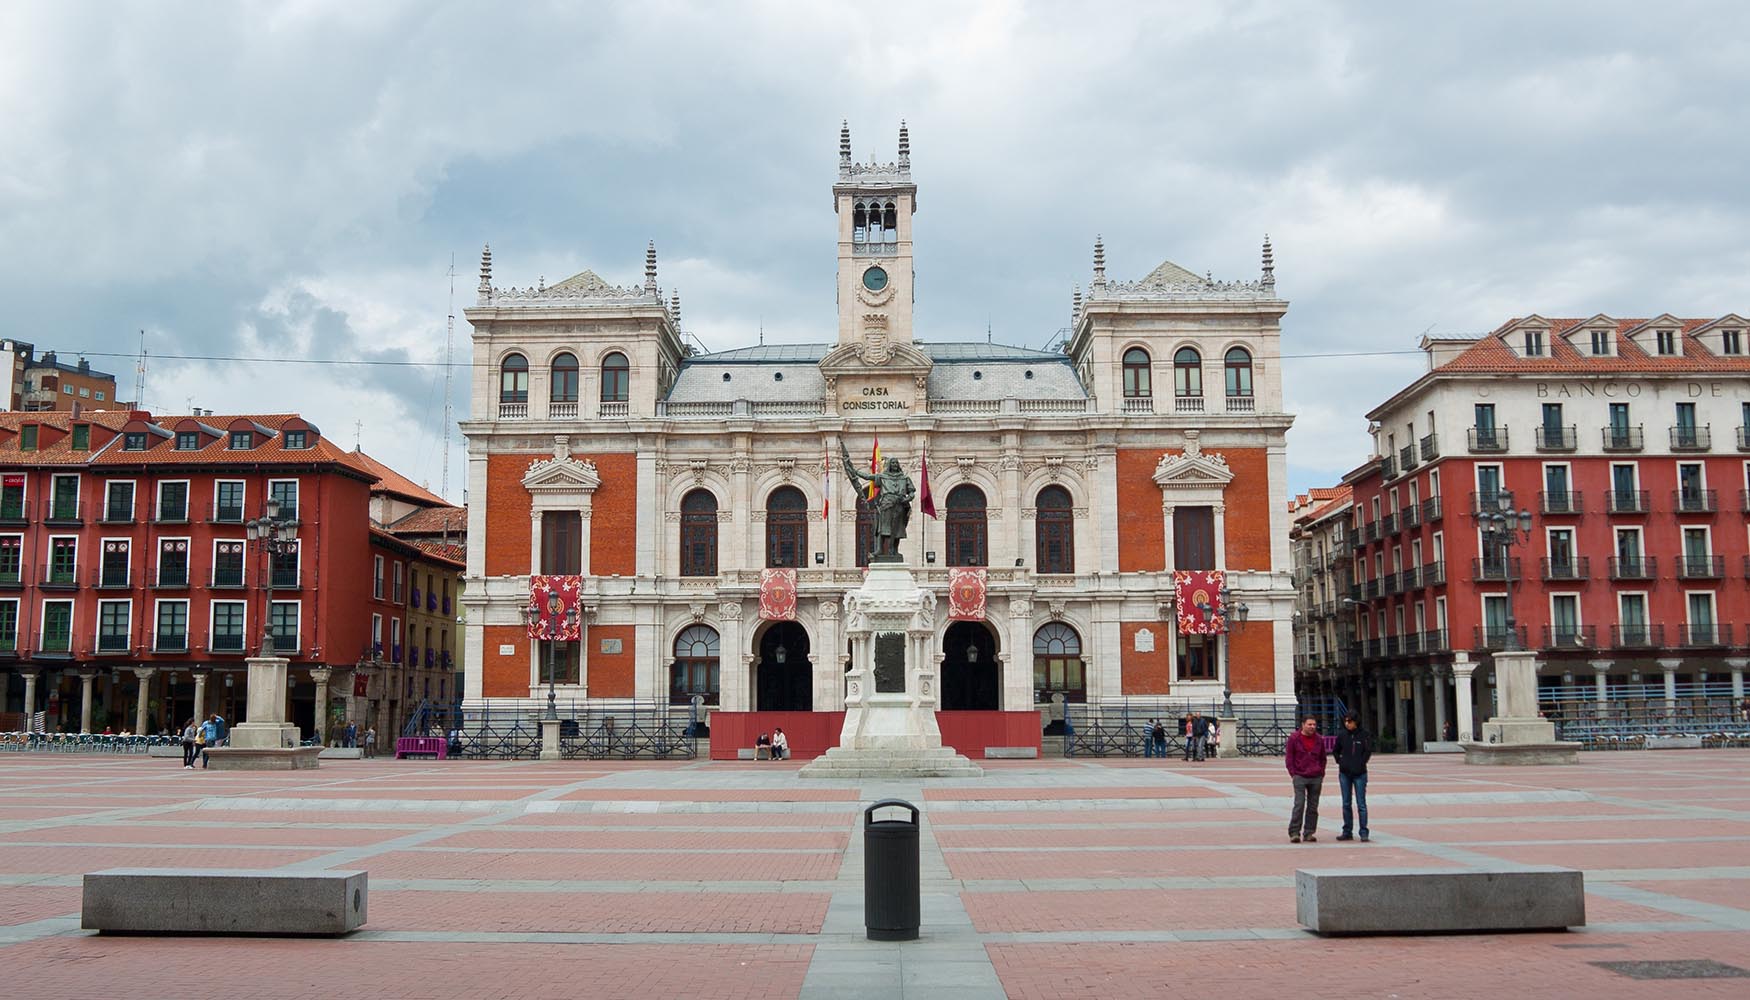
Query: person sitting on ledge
x=780 y=745
x=763 y=743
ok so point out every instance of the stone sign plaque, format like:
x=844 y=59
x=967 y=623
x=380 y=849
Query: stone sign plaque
x=890 y=662
x=610 y=647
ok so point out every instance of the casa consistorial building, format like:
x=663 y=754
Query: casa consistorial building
x=693 y=510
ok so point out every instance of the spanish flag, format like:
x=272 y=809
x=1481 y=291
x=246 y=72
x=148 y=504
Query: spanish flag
x=875 y=469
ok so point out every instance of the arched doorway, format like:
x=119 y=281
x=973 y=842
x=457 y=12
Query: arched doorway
x=971 y=678
x=783 y=679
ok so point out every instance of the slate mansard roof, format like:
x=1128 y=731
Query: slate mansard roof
x=966 y=370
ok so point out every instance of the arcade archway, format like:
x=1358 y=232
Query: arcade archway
x=971 y=677
x=783 y=680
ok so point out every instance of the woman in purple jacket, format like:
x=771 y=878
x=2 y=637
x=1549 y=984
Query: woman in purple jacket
x=1305 y=756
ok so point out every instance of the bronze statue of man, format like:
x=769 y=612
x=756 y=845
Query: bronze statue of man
x=892 y=505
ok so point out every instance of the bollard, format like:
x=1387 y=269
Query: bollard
x=890 y=874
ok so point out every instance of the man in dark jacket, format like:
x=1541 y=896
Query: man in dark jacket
x=1305 y=757
x=1199 y=735
x=1354 y=747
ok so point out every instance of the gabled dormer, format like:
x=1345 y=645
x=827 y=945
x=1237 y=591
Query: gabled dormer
x=1528 y=337
x=1726 y=337
x=1593 y=338
x=244 y=434
x=1660 y=337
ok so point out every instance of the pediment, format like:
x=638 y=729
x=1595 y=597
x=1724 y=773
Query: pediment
x=1187 y=471
x=561 y=474
x=868 y=356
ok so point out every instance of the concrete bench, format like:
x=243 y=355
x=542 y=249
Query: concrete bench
x=1442 y=746
x=1015 y=753
x=223 y=901
x=1674 y=743
x=1439 y=900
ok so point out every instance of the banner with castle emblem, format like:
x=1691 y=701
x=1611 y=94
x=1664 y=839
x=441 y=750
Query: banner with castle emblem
x=966 y=594
x=553 y=599
x=778 y=595
x=1195 y=590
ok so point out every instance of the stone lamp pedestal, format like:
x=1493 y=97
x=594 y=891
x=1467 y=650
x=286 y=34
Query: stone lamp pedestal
x=267 y=742
x=1518 y=735
x=890 y=726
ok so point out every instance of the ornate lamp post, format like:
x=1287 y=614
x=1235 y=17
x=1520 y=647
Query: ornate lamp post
x=278 y=538
x=1504 y=529
x=557 y=618
x=1239 y=612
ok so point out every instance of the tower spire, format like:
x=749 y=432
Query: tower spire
x=1269 y=279
x=1099 y=263
x=904 y=147
x=486 y=273
x=650 y=267
x=674 y=307
x=1075 y=306
x=845 y=146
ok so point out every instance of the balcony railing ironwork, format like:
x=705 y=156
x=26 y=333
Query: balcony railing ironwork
x=1430 y=448
x=1407 y=457
x=1553 y=438
x=1495 y=636
x=1571 y=568
x=1696 y=567
x=1495 y=569
x=1487 y=439
x=1570 y=637
x=1562 y=501
x=1626 y=501
x=1622 y=438
x=1410 y=516
x=1637 y=636
x=1685 y=438
x=1635 y=568
x=1434 y=573
x=1431 y=509
x=1693 y=501
x=1707 y=635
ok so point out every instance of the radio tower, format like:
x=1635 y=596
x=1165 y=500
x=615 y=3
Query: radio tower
x=449 y=351
x=140 y=375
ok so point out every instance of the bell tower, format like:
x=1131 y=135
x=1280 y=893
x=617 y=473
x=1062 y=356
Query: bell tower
x=874 y=203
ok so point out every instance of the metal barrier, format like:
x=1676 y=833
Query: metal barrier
x=589 y=730
x=1120 y=727
x=82 y=743
x=1631 y=714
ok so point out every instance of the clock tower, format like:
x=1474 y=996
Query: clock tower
x=874 y=203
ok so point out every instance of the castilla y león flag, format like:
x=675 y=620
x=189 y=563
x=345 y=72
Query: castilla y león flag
x=1195 y=590
x=966 y=594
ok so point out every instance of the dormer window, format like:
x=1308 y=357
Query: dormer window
x=27 y=438
x=1534 y=343
x=188 y=440
x=1731 y=342
x=1667 y=341
x=242 y=440
x=81 y=437
x=295 y=441
x=1601 y=342
x=134 y=441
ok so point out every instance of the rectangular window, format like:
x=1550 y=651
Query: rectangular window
x=228 y=619
x=188 y=440
x=1495 y=620
x=57 y=627
x=64 y=502
x=1624 y=495
x=1667 y=341
x=63 y=561
x=1193 y=538
x=1731 y=342
x=377 y=578
x=173 y=501
x=1686 y=416
x=1564 y=619
x=1198 y=659
x=172 y=627
x=295 y=440
x=9 y=626
x=1555 y=483
x=227 y=564
x=134 y=441
x=1488 y=487
x=27 y=438
x=376 y=635
x=12 y=559
x=1600 y=341
x=1485 y=418
x=85 y=392
x=12 y=498
x=1552 y=419
x=81 y=437
x=116 y=562
x=561 y=542
x=118 y=502
x=286 y=492
x=100 y=395
x=285 y=565
x=1534 y=343
x=284 y=626
x=242 y=440
x=394 y=649
x=1701 y=611
x=399 y=595
x=114 y=626
x=1561 y=550
x=173 y=562
x=228 y=501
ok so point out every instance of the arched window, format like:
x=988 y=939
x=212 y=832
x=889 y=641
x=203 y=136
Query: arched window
x=695 y=668
x=1054 y=528
x=616 y=378
x=1187 y=372
x=513 y=379
x=565 y=378
x=786 y=527
x=1136 y=374
x=1057 y=663
x=889 y=225
x=699 y=534
x=967 y=527
x=1239 y=372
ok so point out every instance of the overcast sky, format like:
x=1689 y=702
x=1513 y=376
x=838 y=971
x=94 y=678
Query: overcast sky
x=291 y=180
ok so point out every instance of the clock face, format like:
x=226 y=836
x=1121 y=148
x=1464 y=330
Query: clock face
x=875 y=279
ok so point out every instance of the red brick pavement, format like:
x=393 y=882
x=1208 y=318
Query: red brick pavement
x=1158 y=835
x=1060 y=792
x=655 y=867
x=71 y=860
x=1735 y=894
x=1706 y=853
x=601 y=912
x=1049 y=814
x=713 y=795
x=289 y=835
x=532 y=839
x=23 y=904
x=1179 y=864
x=826 y=820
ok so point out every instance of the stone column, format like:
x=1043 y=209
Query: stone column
x=1400 y=716
x=145 y=677
x=200 y=696
x=1737 y=665
x=87 y=679
x=1670 y=669
x=1379 y=690
x=1462 y=668
x=1220 y=511
x=1417 y=713
x=30 y=675
x=1601 y=680
x=321 y=675
x=534 y=556
x=735 y=694
x=1439 y=706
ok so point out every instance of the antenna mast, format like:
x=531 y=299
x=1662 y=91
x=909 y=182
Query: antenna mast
x=449 y=351
x=140 y=375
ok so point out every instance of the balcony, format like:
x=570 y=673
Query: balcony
x=1706 y=635
x=227 y=642
x=111 y=578
x=1747 y=567
x=1691 y=438
x=1622 y=438
x=1431 y=511
x=224 y=513
x=112 y=643
x=1626 y=501
x=1494 y=637
x=1570 y=637
x=170 y=642
x=62 y=511
x=1410 y=516
x=1561 y=501
x=1242 y=404
x=1371 y=589
x=1434 y=641
x=59 y=647
x=1744 y=500
x=59 y=577
x=431 y=603
x=1637 y=636
x=1695 y=501
x=1694 y=567
x=1486 y=501
x=609 y=410
x=1434 y=573
x=118 y=514
x=1370 y=532
x=1572 y=568
x=1388 y=525
x=286 y=578
x=227 y=579
x=1407 y=457
x=171 y=578
x=284 y=644
x=13 y=578
x=1485 y=440
x=413 y=656
x=513 y=411
x=446 y=606
x=431 y=658
x=566 y=410
x=1181 y=404
x=1553 y=438
x=1635 y=568
x=1430 y=448
x=1388 y=467
x=14 y=513
x=1410 y=579
x=1484 y=570
x=1744 y=437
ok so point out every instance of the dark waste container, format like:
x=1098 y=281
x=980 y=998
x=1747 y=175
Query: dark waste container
x=890 y=873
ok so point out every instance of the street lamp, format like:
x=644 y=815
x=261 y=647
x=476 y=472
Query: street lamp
x=557 y=618
x=1239 y=613
x=277 y=537
x=1503 y=528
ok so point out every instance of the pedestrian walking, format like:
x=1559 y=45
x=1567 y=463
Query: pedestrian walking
x=1354 y=748
x=1305 y=757
x=189 y=733
x=1214 y=740
x=371 y=741
x=1185 y=731
x=1157 y=737
x=1199 y=736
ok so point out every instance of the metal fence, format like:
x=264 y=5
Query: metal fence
x=588 y=730
x=1630 y=714
x=1120 y=728
x=83 y=743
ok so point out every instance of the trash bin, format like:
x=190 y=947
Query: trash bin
x=890 y=874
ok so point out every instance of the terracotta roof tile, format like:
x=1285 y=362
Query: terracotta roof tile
x=390 y=481
x=433 y=521
x=1492 y=354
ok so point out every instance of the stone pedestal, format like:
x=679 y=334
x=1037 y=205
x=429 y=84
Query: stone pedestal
x=550 y=739
x=890 y=726
x=267 y=742
x=1518 y=735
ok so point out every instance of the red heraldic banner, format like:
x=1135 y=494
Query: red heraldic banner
x=361 y=685
x=966 y=594
x=778 y=595
x=553 y=599
x=1193 y=587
